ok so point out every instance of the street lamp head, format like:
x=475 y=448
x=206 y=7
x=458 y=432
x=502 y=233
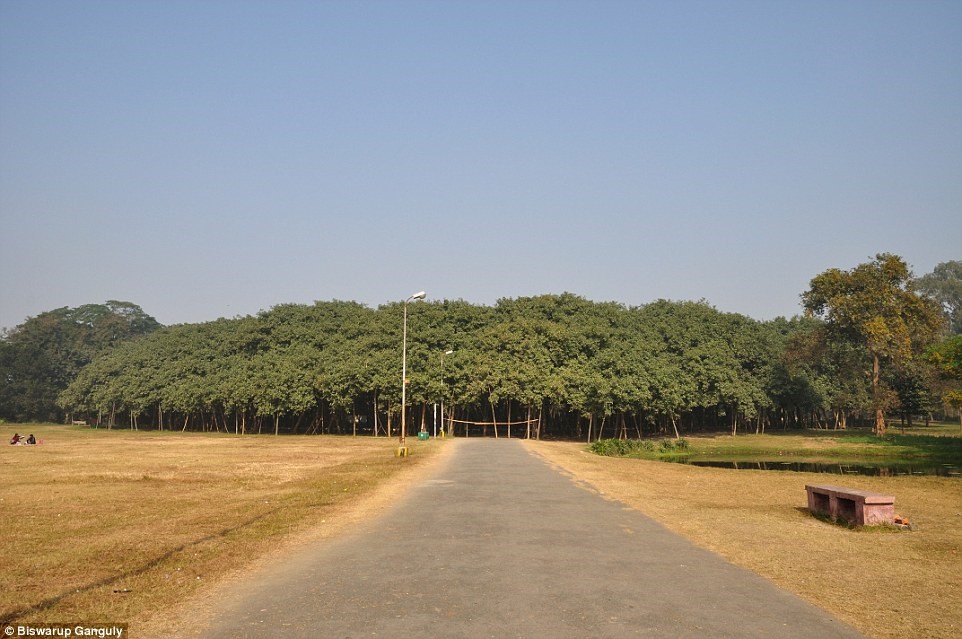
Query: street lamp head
x=418 y=296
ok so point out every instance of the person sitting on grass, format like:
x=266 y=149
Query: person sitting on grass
x=15 y=439
x=31 y=440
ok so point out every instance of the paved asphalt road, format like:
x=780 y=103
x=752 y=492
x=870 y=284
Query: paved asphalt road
x=499 y=544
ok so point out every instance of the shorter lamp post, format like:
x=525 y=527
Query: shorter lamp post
x=402 y=450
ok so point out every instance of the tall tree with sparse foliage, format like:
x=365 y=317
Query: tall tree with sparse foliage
x=875 y=306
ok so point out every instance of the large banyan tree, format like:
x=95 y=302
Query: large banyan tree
x=553 y=365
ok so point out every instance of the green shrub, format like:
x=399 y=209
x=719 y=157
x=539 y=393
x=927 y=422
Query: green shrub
x=606 y=447
x=621 y=447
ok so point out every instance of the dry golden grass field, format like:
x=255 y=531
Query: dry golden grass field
x=124 y=527
x=886 y=583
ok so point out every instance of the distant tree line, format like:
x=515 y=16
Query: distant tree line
x=556 y=366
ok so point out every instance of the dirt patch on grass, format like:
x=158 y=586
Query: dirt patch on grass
x=883 y=582
x=100 y=526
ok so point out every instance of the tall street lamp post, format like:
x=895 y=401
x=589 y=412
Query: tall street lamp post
x=444 y=389
x=402 y=450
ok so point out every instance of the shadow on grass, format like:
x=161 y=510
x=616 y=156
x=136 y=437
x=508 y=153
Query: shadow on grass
x=10 y=617
x=822 y=517
x=849 y=525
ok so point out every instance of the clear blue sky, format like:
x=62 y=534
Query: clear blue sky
x=211 y=158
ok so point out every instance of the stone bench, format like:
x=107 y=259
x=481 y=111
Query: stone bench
x=859 y=507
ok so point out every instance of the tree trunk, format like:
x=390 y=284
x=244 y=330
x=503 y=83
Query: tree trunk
x=508 y=402
x=877 y=397
x=297 y=424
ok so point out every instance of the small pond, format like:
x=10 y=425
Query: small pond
x=837 y=468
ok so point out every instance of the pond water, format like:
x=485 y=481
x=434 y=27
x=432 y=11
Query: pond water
x=836 y=468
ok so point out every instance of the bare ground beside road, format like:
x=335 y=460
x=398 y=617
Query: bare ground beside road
x=887 y=584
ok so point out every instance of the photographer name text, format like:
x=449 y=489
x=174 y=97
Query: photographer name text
x=102 y=631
